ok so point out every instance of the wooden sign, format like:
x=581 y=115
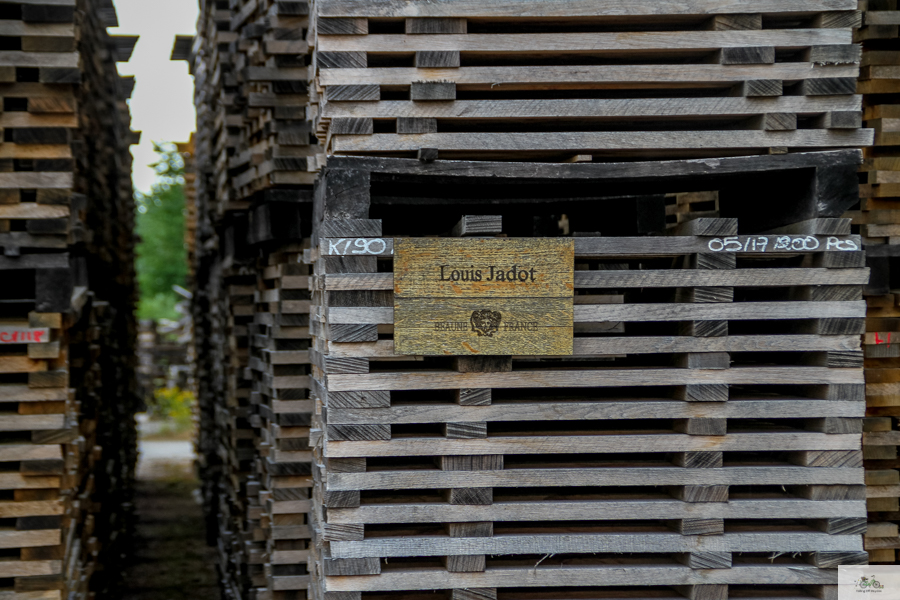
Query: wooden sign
x=483 y=296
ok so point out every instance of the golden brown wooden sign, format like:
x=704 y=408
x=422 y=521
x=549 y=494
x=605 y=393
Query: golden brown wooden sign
x=483 y=296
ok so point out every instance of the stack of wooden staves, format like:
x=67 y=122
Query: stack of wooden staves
x=704 y=438
x=67 y=331
x=254 y=162
x=280 y=365
x=567 y=80
x=877 y=219
x=276 y=147
x=702 y=441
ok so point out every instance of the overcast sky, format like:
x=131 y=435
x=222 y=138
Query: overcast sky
x=162 y=104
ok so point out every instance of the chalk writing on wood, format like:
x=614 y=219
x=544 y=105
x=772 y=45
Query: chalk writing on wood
x=483 y=296
x=808 y=243
x=358 y=247
x=639 y=246
x=24 y=335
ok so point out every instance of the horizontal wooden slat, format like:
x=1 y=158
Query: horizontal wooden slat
x=603 y=573
x=742 y=245
x=18 y=452
x=31 y=210
x=651 y=345
x=644 y=313
x=29 y=539
x=568 y=8
x=29 y=568
x=590 y=444
x=595 y=510
x=601 y=141
x=533 y=43
x=443 y=380
x=626 y=476
x=561 y=410
x=37 y=508
x=594 y=108
x=31 y=422
x=567 y=543
x=882 y=17
x=16 y=58
x=583 y=76
x=21 y=364
x=16 y=481
x=20 y=28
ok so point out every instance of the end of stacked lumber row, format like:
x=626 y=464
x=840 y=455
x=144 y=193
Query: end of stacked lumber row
x=255 y=160
x=67 y=331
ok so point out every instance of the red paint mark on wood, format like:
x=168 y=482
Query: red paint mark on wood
x=23 y=335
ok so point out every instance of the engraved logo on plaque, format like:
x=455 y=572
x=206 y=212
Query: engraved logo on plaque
x=486 y=322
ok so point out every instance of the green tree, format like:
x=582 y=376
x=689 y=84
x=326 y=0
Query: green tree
x=161 y=254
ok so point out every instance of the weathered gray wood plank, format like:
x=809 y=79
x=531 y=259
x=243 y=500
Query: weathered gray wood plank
x=643 y=279
x=600 y=444
x=606 y=409
x=533 y=43
x=505 y=78
x=436 y=380
x=597 y=476
x=577 y=510
x=606 y=573
x=634 y=246
x=643 y=313
x=565 y=543
x=602 y=141
x=569 y=8
x=652 y=345
x=574 y=108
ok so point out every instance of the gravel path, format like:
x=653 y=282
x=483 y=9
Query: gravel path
x=171 y=560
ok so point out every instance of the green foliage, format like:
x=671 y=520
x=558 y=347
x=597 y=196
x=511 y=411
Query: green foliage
x=161 y=255
x=174 y=404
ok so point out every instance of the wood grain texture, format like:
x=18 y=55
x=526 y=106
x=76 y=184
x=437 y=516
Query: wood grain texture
x=658 y=344
x=707 y=560
x=748 y=55
x=612 y=542
x=482 y=296
x=569 y=8
x=600 y=510
x=547 y=312
x=441 y=59
x=442 y=327
x=603 y=574
x=600 y=444
x=595 y=378
x=595 y=142
x=631 y=246
x=649 y=278
x=347 y=484
x=593 y=42
x=588 y=76
x=596 y=108
x=417 y=263
x=562 y=410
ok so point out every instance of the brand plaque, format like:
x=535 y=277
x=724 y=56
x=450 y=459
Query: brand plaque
x=483 y=296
